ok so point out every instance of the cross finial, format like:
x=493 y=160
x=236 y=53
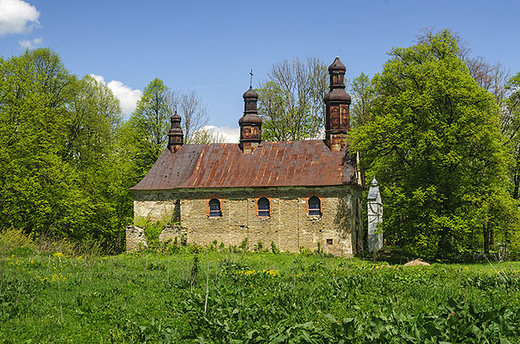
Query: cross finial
x=251 y=79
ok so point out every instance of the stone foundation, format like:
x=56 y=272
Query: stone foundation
x=135 y=238
x=169 y=234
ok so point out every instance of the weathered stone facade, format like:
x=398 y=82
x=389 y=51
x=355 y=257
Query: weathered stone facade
x=295 y=194
x=338 y=230
x=135 y=238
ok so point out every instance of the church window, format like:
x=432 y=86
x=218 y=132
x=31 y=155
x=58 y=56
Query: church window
x=214 y=208
x=314 y=206
x=263 y=207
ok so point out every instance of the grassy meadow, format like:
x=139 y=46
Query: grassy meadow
x=220 y=296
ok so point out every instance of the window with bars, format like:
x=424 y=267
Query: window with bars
x=263 y=207
x=314 y=206
x=214 y=208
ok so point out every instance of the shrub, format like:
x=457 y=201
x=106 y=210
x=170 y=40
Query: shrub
x=11 y=239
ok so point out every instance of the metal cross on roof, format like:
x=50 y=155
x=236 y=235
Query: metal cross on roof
x=251 y=80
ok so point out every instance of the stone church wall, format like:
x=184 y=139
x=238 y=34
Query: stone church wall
x=338 y=230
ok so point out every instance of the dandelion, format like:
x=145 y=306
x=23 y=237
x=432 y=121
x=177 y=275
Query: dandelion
x=58 y=254
x=57 y=277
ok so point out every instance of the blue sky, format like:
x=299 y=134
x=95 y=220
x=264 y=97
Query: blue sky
x=210 y=46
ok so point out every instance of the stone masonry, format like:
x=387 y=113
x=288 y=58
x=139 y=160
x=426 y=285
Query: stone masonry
x=135 y=238
x=338 y=230
x=213 y=191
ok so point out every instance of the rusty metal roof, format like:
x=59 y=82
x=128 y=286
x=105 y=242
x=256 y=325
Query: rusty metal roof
x=221 y=165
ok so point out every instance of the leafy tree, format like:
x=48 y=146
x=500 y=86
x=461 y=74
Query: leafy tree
x=94 y=152
x=36 y=187
x=147 y=128
x=434 y=143
x=144 y=135
x=291 y=102
x=491 y=77
x=363 y=95
x=94 y=117
x=511 y=129
x=58 y=171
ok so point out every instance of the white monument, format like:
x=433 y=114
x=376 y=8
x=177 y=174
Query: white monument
x=375 y=217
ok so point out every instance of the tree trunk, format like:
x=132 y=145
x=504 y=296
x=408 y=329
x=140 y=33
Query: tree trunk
x=485 y=230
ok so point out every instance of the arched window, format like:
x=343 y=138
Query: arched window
x=214 y=208
x=314 y=206
x=263 y=207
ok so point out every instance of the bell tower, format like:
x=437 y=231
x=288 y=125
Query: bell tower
x=175 y=135
x=250 y=123
x=337 y=100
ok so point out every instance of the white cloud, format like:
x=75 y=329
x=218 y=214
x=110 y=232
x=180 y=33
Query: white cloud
x=17 y=16
x=230 y=135
x=127 y=96
x=28 y=44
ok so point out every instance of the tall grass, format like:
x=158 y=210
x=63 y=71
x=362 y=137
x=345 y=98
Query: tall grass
x=16 y=241
x=242 y=297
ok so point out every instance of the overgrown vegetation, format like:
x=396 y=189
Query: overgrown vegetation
x=441 y=149
x=63 y=171
x=233 y=296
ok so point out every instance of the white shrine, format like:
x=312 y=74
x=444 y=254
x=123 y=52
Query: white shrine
x=375 y=217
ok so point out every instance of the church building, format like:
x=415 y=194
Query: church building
x=295 y=194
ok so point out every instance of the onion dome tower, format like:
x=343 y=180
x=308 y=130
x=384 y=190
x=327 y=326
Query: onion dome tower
x=175 y=135
x=250 y=123
x=337 y=102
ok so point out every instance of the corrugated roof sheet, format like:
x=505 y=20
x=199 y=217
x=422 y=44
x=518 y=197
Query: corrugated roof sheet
x=217 y=165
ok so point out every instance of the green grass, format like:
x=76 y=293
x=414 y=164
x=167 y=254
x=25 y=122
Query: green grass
x=253 y=298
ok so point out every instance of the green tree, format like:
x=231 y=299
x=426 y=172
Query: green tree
x=146 y=131
x=33 y=180
x=57 y=169
x=434 y=143
x=363 y=95
x=291 y=102
x=94 y=118
x=511 y=128
x=94 y=152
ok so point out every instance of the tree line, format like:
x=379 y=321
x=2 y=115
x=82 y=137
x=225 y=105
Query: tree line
x=67 y=156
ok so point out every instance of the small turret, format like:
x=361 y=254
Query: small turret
x=250 y=123
x=337 y=102
x=175 y=135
